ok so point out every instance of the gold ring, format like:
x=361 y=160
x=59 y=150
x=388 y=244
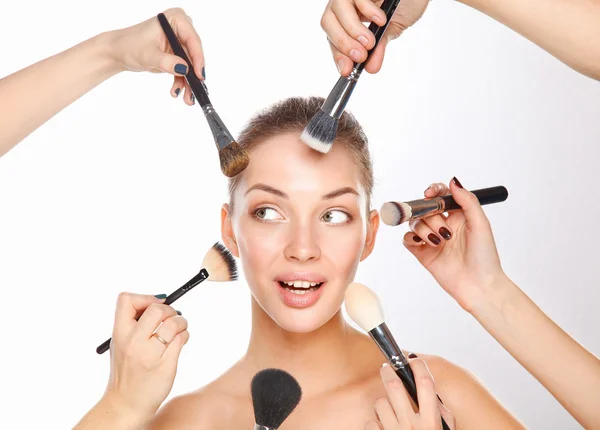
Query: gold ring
x=160 y=339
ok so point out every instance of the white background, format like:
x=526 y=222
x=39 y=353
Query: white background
x=122 y=191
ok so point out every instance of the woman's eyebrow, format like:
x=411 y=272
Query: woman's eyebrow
x=339 y=192
x=279 y=193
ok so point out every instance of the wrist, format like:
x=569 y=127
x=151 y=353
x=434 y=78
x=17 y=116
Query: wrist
x=121 y=414
x=494 y=298
x=106 y=46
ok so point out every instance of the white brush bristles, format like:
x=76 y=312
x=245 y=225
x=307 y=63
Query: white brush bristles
x=363 y=306
x=394 y=213
x=220 y=264
x=315 y=143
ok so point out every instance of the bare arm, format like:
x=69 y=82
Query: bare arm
x=534 y=340
x=567 y=29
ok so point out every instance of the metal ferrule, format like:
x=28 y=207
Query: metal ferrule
x=220 y=133
x=340 y=94
x=423 y=207
x=259 y=427
x=387 y=344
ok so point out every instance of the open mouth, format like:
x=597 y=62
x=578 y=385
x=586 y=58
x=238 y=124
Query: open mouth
x=300 y=287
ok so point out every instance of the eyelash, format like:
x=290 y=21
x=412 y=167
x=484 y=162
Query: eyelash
x=255 y=211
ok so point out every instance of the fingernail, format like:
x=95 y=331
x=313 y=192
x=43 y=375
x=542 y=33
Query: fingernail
x=178 y=312
x=363 y=40
x=193 y=99
x=339 y=66
x=181 y=69
x=355 y=55
x=457 y=182
x=427 y=189
x=177 y=91
x=203 y=73
x=445 y=233
x=412 y=355
x=384 y=364
x=161 y=296
x=434 y=239
x=417 y=239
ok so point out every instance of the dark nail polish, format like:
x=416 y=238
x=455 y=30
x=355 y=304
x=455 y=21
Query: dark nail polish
x=417 y=239
x=412 y=355
x=161 y=296
x=177 y=91
x=457 y=182
x=203 y=73
x=434 y=239
x=438 y=396
x=178 y=312
x=445 y=233
x=192 y=98
x=181 y=69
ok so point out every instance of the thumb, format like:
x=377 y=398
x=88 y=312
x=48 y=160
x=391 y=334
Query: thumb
x=168 y=63
x=469 y=203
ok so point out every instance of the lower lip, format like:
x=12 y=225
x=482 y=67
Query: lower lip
x=299 y=300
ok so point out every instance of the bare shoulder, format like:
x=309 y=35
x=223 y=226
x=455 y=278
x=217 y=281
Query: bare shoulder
x=214 y=406
x=471 y=403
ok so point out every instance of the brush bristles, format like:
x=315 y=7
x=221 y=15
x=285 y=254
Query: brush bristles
x=363 y=306
x=234 y=159
x=220 y=264
x=320 y=132
x=275 y=395
x=394 y=213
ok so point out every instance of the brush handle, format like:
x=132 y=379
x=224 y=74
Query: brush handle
x=197 y=86
x=486 y=196
x=201 y=276
x=389 y=7
x=405 y=374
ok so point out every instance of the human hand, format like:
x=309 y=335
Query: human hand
x=145 y=47
x=396 y=411
x=350 y=40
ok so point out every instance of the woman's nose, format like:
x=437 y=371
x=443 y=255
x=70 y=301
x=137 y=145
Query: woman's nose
x=302 y=245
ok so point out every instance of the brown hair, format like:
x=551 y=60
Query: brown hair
x=292 y=115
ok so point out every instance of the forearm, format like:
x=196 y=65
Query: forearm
x=30 y=97
x=566 y=369
x=109 y=414
x=567 y=29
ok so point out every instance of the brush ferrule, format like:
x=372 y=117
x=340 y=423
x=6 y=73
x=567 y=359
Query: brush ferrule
x=340 y=94
x=387 y=344
x=259 y=427
x=423 y=207
x=220 y=133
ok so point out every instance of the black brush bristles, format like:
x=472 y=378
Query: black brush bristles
x=320 y=132
x=275 y=395
x=220 y=264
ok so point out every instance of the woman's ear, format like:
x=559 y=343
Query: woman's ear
x=372 y=229
x=227 y=233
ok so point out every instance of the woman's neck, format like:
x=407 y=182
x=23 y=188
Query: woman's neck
x=323 y=359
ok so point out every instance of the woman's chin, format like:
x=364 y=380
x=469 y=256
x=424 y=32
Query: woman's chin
x=302 y=320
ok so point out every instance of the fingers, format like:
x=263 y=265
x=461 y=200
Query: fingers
x=189 y=38
x=174 y=349
x=372 y=425
x=385 y=413
x=447 y=416
x=178 y=86
x=346 y=14
x=423 y=229
x=171 y=327
x=398 y=398
x=429 y=413
x=338 y=36
x=470 y=205
x=129 y=306
x=152 y=317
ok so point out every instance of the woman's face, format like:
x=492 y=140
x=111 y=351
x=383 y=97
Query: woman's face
x=300 y=228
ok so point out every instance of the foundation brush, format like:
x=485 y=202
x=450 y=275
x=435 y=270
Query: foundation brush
x=396 y=213
x=233 y=157
x=321 y=131
x=275 y=395
x=218 y=266
x=364 y=308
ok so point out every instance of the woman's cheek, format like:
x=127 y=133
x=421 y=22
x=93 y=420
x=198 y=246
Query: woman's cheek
x=344 y=245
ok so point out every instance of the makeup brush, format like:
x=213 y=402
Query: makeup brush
x=364 y=307
x=395 y=213
x=233 y=158
x=320 y=132
x=275 y=394
x=218 y=266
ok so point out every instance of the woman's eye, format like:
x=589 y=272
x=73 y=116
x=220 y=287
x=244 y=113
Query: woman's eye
x=267 y=214
x=336 y=217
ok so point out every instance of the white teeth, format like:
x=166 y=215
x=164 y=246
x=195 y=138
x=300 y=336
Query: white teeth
x=297 y=284
x=312 y=284
x=300 y=292
x=291 y=284
x=305 y=284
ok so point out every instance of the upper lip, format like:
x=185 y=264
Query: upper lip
x=300 y=276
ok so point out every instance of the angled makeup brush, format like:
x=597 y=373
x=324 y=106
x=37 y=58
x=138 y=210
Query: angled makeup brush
x=233 y=158
x=275 y=394
x=364 y=307
x=396 y=213
x=321 y=131
x=218 y=266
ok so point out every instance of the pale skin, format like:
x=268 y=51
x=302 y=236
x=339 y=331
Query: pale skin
x=568 y=30
x=337 y=367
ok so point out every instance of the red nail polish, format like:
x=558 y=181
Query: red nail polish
x=457 y=182
x=417 y=239
x=434 y=239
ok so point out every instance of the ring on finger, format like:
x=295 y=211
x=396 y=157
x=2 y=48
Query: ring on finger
x=160 y=339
